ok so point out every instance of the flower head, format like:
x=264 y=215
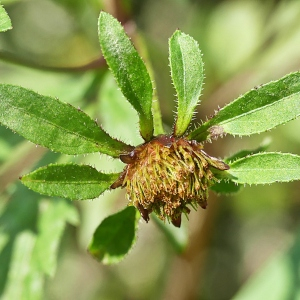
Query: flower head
x=166 y=175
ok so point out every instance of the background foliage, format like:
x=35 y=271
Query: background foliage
x=253 y=235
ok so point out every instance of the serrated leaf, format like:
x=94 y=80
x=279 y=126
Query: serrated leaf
x=115 y=236
x=244 y=153
x=187 y=75
x=128 y=69
x=75 y=182
x=225 y=187
x=53 y=124
x=5 y=22
x=265 y=168
x=258 y=110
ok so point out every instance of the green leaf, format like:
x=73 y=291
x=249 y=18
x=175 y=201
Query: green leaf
x=51 y=224
x=187 y=75
x=265 y=168
x=5 y=22
x=277 y=278
x=114 y=119
x=20 y=266
x=258 y=110
x=128 y=69
x=177 y=237
x=53 y=124
x=75 y=182
x=115 y=236
x=225 y=187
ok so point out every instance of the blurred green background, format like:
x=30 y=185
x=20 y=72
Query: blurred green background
x=243 y=246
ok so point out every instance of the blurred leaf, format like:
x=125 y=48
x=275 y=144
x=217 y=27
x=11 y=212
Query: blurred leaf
x=75 y=182
x=256 y=111
x=17 y=216
x=20 y=266
x=128 y=69
x=278 y=279
x=5 y=22
x=265 y=168
x=3 y=240
x=234 y=31
x=177 y=237
x=51 y=223
x=53 y=124
x=187 y=75
x=114 y=119
x=115 y=236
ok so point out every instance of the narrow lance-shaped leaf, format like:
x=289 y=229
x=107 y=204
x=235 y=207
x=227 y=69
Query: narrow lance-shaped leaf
x=258 y=110
x=58 y=126
x=75 y=182
x=265 y=168
x=187 y=75
x=128 y=69
x=5 y=22
x=227 y=186
x=115 y=236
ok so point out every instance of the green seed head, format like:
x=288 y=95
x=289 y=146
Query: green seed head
x=166 y=175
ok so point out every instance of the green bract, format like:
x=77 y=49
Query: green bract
x=167 y=174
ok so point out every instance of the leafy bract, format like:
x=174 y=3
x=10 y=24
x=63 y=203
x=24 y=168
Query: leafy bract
x=58 y=126
x=128 y=69
x=187 y=75
x=265 y=168
x=115 y=236
x=256 y=111
x=75 y=182
x=5 y=22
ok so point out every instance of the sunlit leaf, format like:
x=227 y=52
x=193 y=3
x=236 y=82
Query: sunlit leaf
x=227 y=186
x=5 y=22
x=56 y=125
x=75 y=182
x=265 y=168
x=258 y=110
x=115 y=236
x=187 y=75
x=129 y=70
x=242 y=153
